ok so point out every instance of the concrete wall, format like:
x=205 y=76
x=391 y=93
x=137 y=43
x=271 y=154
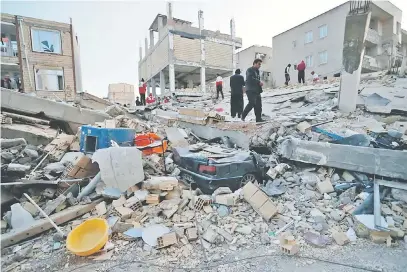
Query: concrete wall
x=187 y=49
x=285 y=52
x=92 y=102
x=121 y=93
x=38 y=60
x=156 y=60
x=78 y=67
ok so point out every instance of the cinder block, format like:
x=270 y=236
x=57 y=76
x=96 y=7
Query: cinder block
x=191 y=234
x=325 y=186
x=167 y=240
x=199 y=204
x=153 y=199
x=290 y=249
x=268 y=210
x=227 y=199
x=249 y=190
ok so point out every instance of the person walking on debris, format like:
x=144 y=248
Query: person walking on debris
x=287 y=74
x=219 y=85
x=315 y=77
x=301 y=72
x=142 y=91
x=253 y=91
x=236 y=99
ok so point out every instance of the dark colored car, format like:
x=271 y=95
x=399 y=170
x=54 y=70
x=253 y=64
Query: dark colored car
x=210 y=173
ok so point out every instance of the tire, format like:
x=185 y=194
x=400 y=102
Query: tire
x=250 y=177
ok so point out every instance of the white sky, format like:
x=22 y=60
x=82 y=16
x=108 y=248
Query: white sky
x=110 y=32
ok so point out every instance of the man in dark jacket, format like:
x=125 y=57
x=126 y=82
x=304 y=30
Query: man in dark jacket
x=236 y=99
x=253 y=91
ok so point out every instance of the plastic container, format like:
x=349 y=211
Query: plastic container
x=88 y=238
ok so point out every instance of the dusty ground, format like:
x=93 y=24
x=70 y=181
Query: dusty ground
x=361 y=256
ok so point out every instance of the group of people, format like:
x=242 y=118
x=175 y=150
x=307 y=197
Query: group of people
x=142 y=101
x=301 y=73
x=253 y=88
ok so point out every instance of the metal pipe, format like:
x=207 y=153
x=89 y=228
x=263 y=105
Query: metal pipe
x=26 y=53
x=45 y=215
x=91 y=186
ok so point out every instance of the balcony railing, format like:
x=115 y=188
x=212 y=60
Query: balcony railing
x=9 y=49
x=373 y=36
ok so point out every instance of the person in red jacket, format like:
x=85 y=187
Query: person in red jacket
x=142 y=91
x=150 y=99
x=301 y=72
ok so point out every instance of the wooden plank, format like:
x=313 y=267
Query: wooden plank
x=42 y=225
x=375 y=161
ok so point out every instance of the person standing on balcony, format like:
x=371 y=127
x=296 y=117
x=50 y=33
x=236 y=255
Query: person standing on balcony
x=301 y=72
x=287 y=74
x=219 y=86
x=142 y=91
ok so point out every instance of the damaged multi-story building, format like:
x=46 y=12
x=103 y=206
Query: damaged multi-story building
x=40 y=56
x=185 y=56
x=319 y=42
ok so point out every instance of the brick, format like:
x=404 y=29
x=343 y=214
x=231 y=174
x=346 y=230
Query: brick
x=258 y=199
x=199 y=204
x=290 y=249
x=379 y=237
x=227 y=199
x=125 y=213
x=249 y=190
x=288 y=244
x=191 y=234
x=268 y=210
x=153 y=199
x=210 y=235
x=167 y=240
x=325 y=186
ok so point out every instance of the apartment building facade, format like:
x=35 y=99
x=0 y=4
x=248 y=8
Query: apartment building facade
x=40 y=56
x=319 y=42
x=122 y=93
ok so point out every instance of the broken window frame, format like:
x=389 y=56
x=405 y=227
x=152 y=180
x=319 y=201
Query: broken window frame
x=309 y=37
x=51 y=48
x=60 y=80
x=323 y=31
x=324 y=59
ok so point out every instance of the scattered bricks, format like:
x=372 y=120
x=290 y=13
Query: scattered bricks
x=119 y=202
x=208 y=209
x=288 y=244
x=260 y=202
x=228 y=199
x=170 y=212
x=379 y=237
x=225 y=234
x=325 y=186
x=210 y=235
x=340 y=237
x=125 y=213
x=191 y=234
x=53 y=204
x=199 y=204
x=167 y=240
x=153 y=199
x=137 y=206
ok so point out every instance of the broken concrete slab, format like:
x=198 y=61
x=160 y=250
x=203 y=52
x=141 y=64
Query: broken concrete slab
x=35 y=135
x=20 y=218
x=176 y=137
x=377 y=161
x=7 y=143
x=53 y=204
x=120 y=167
x=151 y=233
x=325 y=186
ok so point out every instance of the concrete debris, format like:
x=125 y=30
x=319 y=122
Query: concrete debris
x=311 y=173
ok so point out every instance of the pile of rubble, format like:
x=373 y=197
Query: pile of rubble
x=206 y=183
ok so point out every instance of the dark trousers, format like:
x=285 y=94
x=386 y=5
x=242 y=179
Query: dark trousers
x=143 y=99
x=219 y=90
x=236 y=105
x=287 y=79
x=254 y=102
x=301 y=76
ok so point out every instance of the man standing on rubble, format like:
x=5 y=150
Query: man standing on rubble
x=287 y=74
x=142 y=91
x=301 y=72
x=236 y=98
x=254 y=90
x=219 y=86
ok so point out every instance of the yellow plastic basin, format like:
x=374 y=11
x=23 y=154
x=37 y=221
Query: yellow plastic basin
x=88 y=238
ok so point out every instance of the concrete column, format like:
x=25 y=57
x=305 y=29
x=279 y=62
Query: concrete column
x=153 y=87
x=146 y=47
x=203 y=72
x=169 y=10
x=356 y=27
x=151 y=39
x=160 y=27
x=162 y=82
x=233 y=35
x=140 y=51
x=148 y=88
x=190 y=83
x=172 y=78
x=403 y=67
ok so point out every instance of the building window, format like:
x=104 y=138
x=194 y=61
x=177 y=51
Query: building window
x=323 y=31
x=308 y=37
x=48 y=41
x=49 y=80
x=323 y=57
x=308 y=61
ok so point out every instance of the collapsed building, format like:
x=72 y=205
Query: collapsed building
x=186 y=57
